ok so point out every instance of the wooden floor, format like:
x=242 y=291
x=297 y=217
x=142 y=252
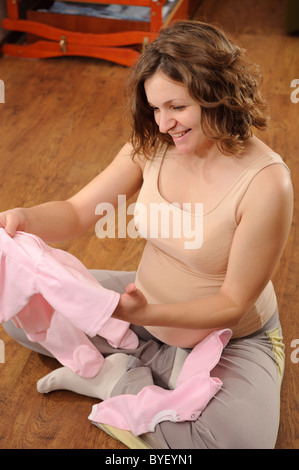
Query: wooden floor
x=60 y=125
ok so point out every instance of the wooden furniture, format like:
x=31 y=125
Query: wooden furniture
x=46 y=34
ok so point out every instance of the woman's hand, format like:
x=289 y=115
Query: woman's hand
x=12 y=220
x=132 y=306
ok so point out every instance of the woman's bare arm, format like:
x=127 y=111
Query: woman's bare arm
x=63 y=220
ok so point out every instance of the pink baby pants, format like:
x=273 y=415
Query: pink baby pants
x=194 y=389
x=56 y=301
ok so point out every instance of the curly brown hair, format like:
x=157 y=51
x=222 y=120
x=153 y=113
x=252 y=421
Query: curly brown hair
x=218 y=75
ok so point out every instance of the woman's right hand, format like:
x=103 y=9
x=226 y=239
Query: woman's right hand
x=12 y=220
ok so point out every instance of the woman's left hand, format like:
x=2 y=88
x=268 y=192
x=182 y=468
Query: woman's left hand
x=132 y=306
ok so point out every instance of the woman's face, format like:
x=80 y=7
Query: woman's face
x=176 y=112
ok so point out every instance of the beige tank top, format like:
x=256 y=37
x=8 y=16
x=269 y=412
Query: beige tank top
x=187 y=249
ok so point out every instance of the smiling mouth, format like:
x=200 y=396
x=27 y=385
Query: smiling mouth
x=179 y=134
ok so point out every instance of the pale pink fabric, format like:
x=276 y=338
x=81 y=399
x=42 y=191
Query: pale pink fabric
x=52 y=296
x=194 y=389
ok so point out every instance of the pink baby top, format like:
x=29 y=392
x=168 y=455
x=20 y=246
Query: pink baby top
x=52 y=296
x=194 y=389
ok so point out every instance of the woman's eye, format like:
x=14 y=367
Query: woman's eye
x=175 y=108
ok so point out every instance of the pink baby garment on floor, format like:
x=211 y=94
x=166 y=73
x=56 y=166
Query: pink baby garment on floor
x=194 y=389
x=52 y=296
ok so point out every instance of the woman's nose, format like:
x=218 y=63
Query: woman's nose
x=165 y=122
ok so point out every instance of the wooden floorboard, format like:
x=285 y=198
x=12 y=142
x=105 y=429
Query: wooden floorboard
x=61 y=124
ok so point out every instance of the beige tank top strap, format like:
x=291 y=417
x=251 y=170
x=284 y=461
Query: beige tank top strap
x=239 y=188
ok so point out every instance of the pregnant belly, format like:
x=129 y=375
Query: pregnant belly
x=179 y=337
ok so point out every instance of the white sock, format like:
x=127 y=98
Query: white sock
x=100 y=386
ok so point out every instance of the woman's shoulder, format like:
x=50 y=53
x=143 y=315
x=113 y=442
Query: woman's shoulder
x=145 y=161
x=261 y=156
x=255 y=148
x=271 y=179
x=268 y=178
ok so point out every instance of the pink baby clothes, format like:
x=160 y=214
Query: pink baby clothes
x=71 y=347
x=37 y=280
x=195 y=387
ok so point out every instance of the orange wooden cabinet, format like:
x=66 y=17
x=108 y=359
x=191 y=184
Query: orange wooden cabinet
x=47 y=34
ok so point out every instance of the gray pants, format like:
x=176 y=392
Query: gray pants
x=244 y=414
